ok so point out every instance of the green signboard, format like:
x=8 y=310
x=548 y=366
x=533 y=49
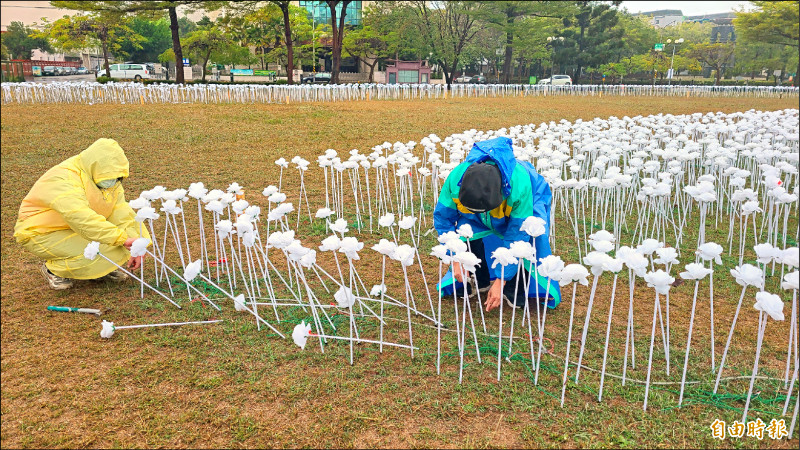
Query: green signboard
x=264 y=73
x=532 y=80
x=659 y=47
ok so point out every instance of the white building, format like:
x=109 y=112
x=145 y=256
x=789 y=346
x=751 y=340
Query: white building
x=664 y=17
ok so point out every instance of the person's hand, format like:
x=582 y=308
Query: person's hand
x=457 y=272
x=129 y=242
x=495 y=295
x=135 y=262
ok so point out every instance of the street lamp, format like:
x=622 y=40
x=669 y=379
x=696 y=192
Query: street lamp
x=551 y=40
x=671 y=61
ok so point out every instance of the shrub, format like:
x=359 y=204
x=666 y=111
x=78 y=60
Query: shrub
x=104 y=79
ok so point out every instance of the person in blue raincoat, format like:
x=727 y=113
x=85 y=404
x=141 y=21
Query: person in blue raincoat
x=494 y=193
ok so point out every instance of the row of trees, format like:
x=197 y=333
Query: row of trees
x=510 y=40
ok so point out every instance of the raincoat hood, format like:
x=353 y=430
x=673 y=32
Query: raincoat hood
x=104 y=160
x=501 y=153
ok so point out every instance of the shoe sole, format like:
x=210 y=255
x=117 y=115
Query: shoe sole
x=53 y=286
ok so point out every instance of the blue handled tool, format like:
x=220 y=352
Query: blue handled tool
x=68 y=309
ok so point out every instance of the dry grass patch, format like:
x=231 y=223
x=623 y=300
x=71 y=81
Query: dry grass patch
x=229 y=386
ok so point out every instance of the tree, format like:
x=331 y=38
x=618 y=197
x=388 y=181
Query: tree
x=19 y=41
x=638 y=36
x=201 y=43
x=716 y=56
x=367 y=45
x=149 y=9
x=752 y=57
x=105 y=29
x=397 y=24
x=447 y=29
x=255 y=24
x=690 y=32
x=287 y=39
x=338 y=35
x=185 y=26
x=277 y=25
x=155 y=39
x=507 y=16
x=591 y=37
x=772 y=23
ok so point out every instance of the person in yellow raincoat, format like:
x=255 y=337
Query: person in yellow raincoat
x=76 y=202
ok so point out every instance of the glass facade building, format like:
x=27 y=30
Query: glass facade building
x=320 y=13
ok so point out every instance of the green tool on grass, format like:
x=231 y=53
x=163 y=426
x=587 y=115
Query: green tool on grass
x=68 y=309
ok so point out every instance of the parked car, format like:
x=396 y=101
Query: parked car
x=463 y=79
x=317 y=78
x=557 y=80
x=136 y=72
x=69 y=71
x=49 y=71
x=478 y=79
x=82 y=71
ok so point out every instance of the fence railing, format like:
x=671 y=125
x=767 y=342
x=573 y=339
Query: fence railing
x=129 y=92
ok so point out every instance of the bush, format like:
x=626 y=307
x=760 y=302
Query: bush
x=692 y=82
x=263 y=83
x=104 y=79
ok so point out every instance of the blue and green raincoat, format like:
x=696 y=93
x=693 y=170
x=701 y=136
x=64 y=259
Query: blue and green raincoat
x=525 y=193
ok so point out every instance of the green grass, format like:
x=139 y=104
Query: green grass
x=230 y=385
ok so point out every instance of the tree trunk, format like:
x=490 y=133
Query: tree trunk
x=371 y=69
x=289 y=45
x=796 y=74
x=509 y=54
x=176 y=45
x=580 y=56
x=105 y=58
x=718 y=76
x=338 y=37
x=205 y=63
x=336 y=51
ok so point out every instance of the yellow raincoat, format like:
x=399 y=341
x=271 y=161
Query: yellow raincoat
x=65 y=210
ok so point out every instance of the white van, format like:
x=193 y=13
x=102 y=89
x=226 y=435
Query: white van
x=127 y=71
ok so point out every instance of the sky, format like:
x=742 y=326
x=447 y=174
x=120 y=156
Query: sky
x=688 y=8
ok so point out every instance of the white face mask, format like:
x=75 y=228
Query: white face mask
x=105 y=184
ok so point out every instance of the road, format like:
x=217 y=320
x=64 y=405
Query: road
x=88 y=77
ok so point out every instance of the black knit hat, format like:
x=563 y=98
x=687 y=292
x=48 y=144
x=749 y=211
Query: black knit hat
x=481 y=188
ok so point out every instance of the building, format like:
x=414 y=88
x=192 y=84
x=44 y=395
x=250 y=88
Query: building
x=725 y=18
x=408 y=72
x=664 y=17
x=319 y=12
x=721 y=34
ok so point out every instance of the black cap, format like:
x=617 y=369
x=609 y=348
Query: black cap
x=481 y=188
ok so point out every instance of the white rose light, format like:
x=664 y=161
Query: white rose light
x=660 y=281
x=465 y=231
x=340 y=226
x=323 y=213
x=533 y=226
x=572 y=273
x=745 y=275
x=139 y=247
x=300 y=334
x=192 y=270
x=387 y=220
x=108 y=329
x=407 y=222
x=772 y=305
x=344 y=297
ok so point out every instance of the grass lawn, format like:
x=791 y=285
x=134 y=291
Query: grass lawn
x=229 y=385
